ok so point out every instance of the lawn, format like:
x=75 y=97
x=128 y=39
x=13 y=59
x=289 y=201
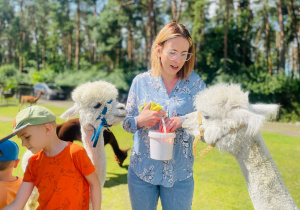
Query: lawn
x=219 y=183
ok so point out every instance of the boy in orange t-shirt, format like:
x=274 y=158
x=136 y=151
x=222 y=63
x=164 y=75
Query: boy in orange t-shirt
x=9 y=184
x=62 y=171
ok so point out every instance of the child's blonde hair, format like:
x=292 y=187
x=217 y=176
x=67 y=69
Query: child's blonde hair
x=169 y=31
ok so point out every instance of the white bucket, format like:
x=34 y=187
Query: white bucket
x=161 y=145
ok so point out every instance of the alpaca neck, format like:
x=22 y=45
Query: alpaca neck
x=265 y=184
x=96 y=154
x=38 y=96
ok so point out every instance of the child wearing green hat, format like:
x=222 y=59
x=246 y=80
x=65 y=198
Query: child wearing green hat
x=9 y=184
x=62 y=171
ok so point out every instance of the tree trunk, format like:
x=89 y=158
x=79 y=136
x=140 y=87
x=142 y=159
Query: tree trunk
x=202 y=29
x=9 y=51
x=282 y=43
x=37 y=47
x=0 y=38
x=174 y=6
x=77 y=36
x=278 y=51
x=268 y=39
x=119 y=47
x=179 y=11
x=176 y=11
x=69 y=40
x=95 y=41
x=297 y=63
x=293 y=69
x=70 y=50
x=296 y=30
x=21 y=36
x=149 y=32
x=198 y=28
x=54 y=54
x=154 y=18
x=44 y=45
x=129 y=45
x=246 y=33
x=258 y=34
x=225 y=37
x=90 y=49
x=239 y=19
x=35 y=29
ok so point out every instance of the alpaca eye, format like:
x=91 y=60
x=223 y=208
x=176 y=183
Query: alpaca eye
x=97 y=106
x=206 y=117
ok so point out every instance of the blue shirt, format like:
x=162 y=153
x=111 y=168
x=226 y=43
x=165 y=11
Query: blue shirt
x=146 y=88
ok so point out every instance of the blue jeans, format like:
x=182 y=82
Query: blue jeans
x=144 y=196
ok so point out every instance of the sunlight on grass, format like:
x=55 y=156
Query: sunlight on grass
x=219 y=183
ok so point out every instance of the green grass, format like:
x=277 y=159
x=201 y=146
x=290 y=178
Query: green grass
x=219 y=183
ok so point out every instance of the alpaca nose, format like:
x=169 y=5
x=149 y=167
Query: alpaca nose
x=121 y=106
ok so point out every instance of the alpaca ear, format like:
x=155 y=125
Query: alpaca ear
x=251 y=120
x=71 y=112
x=268 y=110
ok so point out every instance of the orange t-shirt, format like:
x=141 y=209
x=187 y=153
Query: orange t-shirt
x=8 y=191
x=60 y=180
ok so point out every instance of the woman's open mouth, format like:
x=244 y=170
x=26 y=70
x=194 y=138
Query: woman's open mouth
x=174 y=67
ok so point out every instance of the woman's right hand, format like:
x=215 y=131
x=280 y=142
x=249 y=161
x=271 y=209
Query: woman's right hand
x=148 y=118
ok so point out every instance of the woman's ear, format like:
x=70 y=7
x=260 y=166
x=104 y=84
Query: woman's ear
x=158 y=50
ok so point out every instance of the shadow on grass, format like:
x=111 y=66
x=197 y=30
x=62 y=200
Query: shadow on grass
x=114 y=179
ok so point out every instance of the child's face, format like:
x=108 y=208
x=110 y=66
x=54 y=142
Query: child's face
x=33 y=137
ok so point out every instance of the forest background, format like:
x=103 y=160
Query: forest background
x=68 y=42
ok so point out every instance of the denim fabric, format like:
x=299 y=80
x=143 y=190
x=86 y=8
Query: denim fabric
x=146 y=88
x=145 y=196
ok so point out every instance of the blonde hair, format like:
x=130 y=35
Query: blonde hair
x=170 y=31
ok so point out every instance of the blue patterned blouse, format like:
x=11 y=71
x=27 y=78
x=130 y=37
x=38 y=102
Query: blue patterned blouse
x=146 y=88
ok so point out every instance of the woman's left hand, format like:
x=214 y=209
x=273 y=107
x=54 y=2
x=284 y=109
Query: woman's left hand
x=171 y=124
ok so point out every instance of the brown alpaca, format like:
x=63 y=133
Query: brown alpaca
x=70 y=131
x=30 y=99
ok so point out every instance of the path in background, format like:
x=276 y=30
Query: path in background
x=283 y=128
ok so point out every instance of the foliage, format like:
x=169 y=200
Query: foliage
x=45 y=75
x=8 y=74
x=71 y=78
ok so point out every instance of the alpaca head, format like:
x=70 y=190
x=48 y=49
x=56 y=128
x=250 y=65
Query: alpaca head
x=226 y=116
x=95 y=101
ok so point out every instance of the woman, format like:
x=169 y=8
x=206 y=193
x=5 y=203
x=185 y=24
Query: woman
x=171 y=83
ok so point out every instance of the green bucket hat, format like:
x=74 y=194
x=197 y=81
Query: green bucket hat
x=33 y=115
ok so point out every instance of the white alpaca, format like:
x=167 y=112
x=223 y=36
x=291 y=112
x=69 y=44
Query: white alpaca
x=232 y=124
x=32 y=201
x=96 y=104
